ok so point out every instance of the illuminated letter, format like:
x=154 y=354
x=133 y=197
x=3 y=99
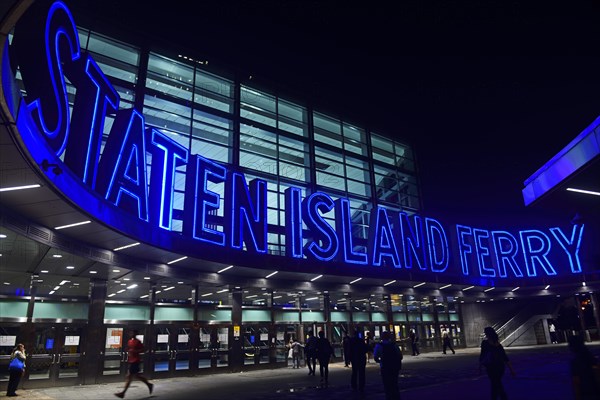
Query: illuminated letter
x=463 y=247
x=533 y=254
x=201 y=203
x=122 y=169
x=413 y=242
x=506 y=248
x=312 y=207
x=483 y=252
x=343 y=226
x=41 y=63
x=435 y=229
x=381 y=238
x=95 y=99
x=571 y=247
x=293 y=222
x=167 y=155
x=247 y=218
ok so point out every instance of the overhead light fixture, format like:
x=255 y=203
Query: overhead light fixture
x=419 y=284
x=356 y=280
x=147 y=278
x=176 y=260
x=9 y=189
x=515 y=289
x=44 y=271
x=169 y=288
x=223 y=291
x=315 y=278
x=72 y=225
x=251 y=297
x=547 y=286
x=63 y=282
x=2 y=236
x=389 y=283
x=205 y=294
x=116 y=271
x=127 y=246
x=468 y=288
x=56 y=288
x=277 y=297
x=70 y=267
x=446 y=286
x=132 y=286
x=93 y=272
x=583 y=284
x=583 y=191
x=271 y=274
x=120 y=291
x=57 y=256
x=144 y=296
x=112 y=294
x=225 y=269
x=488 y=289
x=312 y=298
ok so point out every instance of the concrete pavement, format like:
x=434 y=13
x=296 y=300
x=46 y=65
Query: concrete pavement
x=542 y=372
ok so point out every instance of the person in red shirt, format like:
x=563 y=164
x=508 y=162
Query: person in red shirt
x=134 y=349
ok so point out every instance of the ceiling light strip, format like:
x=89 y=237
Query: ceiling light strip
x=127 y=246
x=583 y=191
x=177 y=260
x=72 y=225
x=10 y=189
x=389 y=283
x=356 y=280
x=225 y=269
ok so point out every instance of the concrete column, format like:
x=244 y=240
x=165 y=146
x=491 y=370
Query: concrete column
x=236 y=356
x=92 y=350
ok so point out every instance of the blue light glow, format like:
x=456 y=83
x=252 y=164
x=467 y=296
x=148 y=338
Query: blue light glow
x=536 y=254
x=413 y=241
x=464 y=248
x=439 y=255
x=312 y=207
x=480 y=237
x=383 y=244
x=247 y=213
x=506 y=248
x=570 y=246
x=167 y=155
x=343 y=226
x=293 y=222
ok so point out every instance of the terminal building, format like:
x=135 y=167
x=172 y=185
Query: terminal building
x=146 y=188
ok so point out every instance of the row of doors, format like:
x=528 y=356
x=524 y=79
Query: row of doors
x=56 y=356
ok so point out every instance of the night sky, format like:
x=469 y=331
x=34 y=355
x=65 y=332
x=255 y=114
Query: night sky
x=486 y=91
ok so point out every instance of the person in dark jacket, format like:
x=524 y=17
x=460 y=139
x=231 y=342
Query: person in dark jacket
x=346 y=349
x=494 y=359
x=584 y=382
x=310 y=352
x=358 y=349
x=15 y=373
x=324 y=352
x=389 y=357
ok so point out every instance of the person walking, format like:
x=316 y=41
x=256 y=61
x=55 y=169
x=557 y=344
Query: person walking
x=346 y=349
x=389 y=357
x=414 y=342
x=324 y=352
x=494 y=359
x=16 y=368
x=310 y=352
x=447 y=341
x=357 y=349
x=134 y=350
x=296 y=348
x=553 y=336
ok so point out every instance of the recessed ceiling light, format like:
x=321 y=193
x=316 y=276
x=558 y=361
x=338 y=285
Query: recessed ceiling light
x=389 y=283
x=132 y=286
x=127 y=246
x=44 y=271
x=147 y=278
x=116 y=270
x=2 y=236
x=271 y=274
x=225 y=269
x=57 y=255
x=468 y=288
x=180 y=283
x=72 y=225
x=223 y=290
x=583 y=191
x=446 y=286
x=312 y=298
x=93 y=272
x=177 y=260
x=515 y=289
x=488 y=289
x=419 y=284
x=8 y=189
x=354 y=281
x=70 y=267
x=547 y=287
x=205 y=294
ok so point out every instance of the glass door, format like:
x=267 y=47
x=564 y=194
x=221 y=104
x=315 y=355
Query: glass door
x=114 y=362
x=55 y=357
x=172 y=350
x=213 y=348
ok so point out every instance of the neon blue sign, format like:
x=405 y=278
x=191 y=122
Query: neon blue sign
x=121 y=188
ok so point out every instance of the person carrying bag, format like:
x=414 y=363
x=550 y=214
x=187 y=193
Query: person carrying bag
x=16 y=369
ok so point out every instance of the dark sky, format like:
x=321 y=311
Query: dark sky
x=486 y=91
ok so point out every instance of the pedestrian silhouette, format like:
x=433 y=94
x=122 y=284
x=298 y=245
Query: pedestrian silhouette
x=358 y=358
x=310 y=352
x=134 y=350
x=414 y=342
x=346 y=349
x=389 y=357
x=324 y=352
x=494 y=359
x=447 y=341
x=583 y=377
